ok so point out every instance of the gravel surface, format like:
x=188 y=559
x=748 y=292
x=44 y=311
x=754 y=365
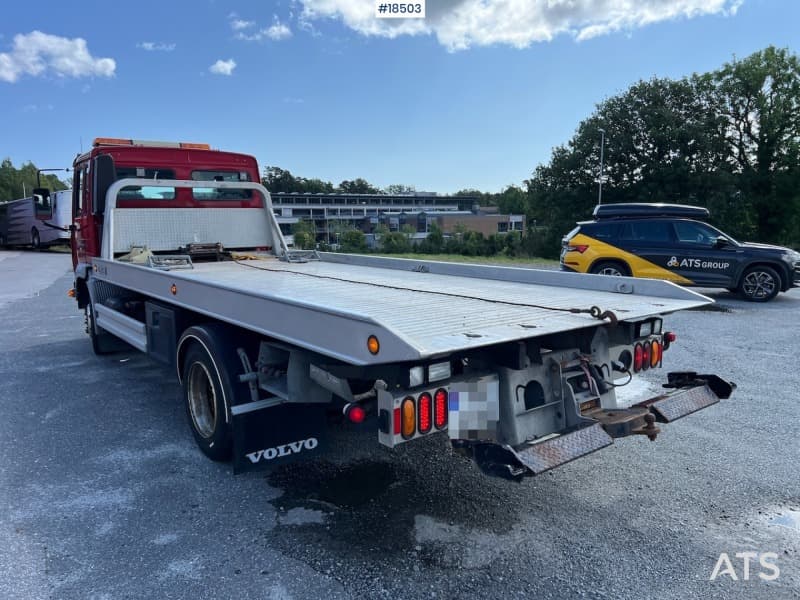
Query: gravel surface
x=104 y=495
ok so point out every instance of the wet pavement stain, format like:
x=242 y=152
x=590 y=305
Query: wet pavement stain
x=342 y=487
x=373 y=507
x=789 y=519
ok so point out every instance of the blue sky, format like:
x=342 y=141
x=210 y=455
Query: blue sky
x=474 y=96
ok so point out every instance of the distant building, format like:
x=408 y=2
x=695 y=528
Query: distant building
x=333 y=213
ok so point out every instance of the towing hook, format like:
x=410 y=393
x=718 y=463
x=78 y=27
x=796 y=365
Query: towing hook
x=602 y=315
x=650 y=429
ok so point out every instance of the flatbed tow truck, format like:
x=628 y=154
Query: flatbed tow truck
x=177 y=252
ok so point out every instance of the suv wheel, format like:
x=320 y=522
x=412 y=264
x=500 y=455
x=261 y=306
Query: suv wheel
x=760 y=284
x=608 y=267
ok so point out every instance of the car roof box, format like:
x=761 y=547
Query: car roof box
x=643 y=210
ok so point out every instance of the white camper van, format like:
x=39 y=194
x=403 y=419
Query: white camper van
x=39 y=221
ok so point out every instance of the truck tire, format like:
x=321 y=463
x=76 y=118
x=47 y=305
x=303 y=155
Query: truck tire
x=36 y=241
x=610 y=267
x=102 y=341
x=209 y=369
x=760 y=284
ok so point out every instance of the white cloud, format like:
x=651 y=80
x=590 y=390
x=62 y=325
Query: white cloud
x=223 y=67
x=38 y=53
x=275 y=32
x=156 y=46
x=461 y=24
x=32 y=108
x=239 y=24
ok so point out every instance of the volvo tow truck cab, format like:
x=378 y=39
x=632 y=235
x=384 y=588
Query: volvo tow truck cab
x=672 y=242
x=178 y=254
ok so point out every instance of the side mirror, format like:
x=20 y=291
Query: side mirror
x=41 y=191
x=721 y=242
x=104 y=175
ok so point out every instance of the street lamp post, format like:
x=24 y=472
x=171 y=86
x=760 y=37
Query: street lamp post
x=600 y=179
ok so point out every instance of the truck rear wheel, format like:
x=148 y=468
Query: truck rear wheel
x=208 y=390
x=102 y=341
x=36 y=241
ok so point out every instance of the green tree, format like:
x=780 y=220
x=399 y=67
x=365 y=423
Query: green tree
x=728 y=140
x=305 y=236
x=513 y=200
x=353 y=241
x=759 y=99
x=395 y=242
x=358 y=186
x=18 y=183
x=434 y=242
x=398 y=188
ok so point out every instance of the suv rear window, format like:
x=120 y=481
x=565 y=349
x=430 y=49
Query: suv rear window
x=602 y=231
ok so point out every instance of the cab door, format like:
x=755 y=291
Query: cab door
x=80 y=216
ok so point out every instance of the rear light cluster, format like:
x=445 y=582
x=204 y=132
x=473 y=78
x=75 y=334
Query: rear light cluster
x=579 y=248
x=648 y=355
x=422 y=414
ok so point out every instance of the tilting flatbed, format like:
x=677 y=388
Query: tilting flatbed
x=419 y=309
x=517 y=366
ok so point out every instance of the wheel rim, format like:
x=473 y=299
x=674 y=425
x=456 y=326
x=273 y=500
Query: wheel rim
x=202 y=400
x=613 y=271
x=758 y=284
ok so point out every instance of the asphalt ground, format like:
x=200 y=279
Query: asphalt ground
x=103 y=493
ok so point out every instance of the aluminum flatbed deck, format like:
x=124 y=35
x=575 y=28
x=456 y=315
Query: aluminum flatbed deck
x=417 y=309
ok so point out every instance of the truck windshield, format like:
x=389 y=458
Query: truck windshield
x=220 y=194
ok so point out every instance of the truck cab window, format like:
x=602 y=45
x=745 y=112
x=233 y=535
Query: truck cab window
x=220 y=194
x=77 y=191
x=146 y=192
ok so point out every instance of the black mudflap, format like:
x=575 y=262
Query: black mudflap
x=265 y=435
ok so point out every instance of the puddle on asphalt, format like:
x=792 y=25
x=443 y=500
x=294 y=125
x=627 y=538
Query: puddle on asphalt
x=712 y=308
x=348 y=486
x=789 y=519
x=373 y=508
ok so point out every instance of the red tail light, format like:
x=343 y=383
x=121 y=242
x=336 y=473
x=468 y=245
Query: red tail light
x=646 y=356
x=638 y=358
x=670 y=337
x=425 y=412
x=397 y=421
x=355 y=413
x=579 y=248
x=440 y=409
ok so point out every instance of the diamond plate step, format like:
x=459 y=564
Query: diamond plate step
x=683 y=403
x=550 y=453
